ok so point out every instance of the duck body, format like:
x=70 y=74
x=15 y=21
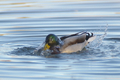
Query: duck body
x=76 y=42
x=67 y=44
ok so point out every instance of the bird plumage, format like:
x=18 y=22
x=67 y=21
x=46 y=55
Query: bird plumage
x=76 y=42
x=67 y=44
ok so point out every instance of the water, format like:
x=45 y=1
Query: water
x=24 y=25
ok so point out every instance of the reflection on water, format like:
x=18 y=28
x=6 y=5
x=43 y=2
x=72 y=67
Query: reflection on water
x=24 y=25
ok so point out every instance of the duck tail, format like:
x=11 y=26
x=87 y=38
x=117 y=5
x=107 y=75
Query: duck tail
x=90 y=37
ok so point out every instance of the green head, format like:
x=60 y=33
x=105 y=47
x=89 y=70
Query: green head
x=51 y=40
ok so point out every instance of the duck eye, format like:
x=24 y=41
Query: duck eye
x=51 y=39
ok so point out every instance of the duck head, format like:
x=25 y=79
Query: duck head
x=51 y=41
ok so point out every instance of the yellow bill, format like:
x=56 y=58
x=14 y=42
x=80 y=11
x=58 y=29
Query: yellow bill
x=46 y=47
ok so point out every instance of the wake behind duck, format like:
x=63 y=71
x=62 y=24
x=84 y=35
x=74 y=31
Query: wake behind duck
x=65 y=44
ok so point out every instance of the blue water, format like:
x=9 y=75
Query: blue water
x=25 y=24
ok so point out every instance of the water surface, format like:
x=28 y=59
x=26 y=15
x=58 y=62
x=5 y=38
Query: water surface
x=25 y=24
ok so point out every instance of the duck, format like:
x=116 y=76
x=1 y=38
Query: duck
x=67 y=44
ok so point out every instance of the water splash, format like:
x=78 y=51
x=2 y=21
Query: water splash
x=23 y=51
x=39 y=51
x=99 y=37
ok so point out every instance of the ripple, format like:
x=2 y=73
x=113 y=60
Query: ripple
x=24 y=25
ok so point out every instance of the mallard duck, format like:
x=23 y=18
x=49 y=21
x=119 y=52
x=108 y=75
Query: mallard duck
x=67 y=44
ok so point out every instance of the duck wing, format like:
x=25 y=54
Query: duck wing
x=71 y=40
x=64 y=37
